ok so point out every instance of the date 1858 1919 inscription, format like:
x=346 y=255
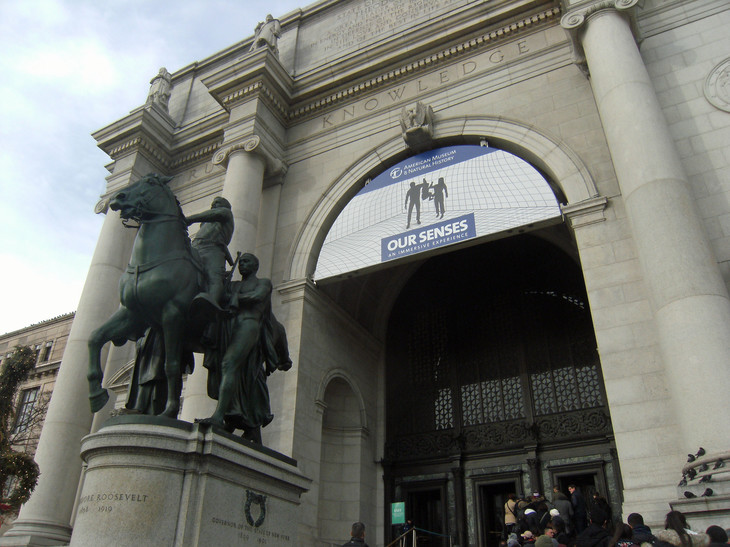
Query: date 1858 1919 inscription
x=105 y=502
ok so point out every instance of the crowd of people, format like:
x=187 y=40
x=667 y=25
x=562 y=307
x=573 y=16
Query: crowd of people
x=573 y=522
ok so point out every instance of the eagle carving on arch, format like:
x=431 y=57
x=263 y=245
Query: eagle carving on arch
x=416 y=122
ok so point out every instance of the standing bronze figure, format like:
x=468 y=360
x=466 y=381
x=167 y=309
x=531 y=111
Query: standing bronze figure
x=251 y=345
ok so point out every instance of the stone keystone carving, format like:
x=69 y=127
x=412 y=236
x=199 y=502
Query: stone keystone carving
x=416 y=122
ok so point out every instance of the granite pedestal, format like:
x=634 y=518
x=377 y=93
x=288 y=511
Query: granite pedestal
x=154 y=481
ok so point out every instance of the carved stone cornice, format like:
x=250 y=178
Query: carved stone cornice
x=425 y=63
x=259 y=75
x=147 y=129
x=197 y=154
x=252 y=144
x=269 y=96
x=577 y=12
x=142 y=143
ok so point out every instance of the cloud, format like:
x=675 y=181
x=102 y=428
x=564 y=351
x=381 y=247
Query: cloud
x=71 y=67
x=55 y=294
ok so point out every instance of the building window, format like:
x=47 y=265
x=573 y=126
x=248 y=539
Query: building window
x=37 y=350
x=46 y=354
x=23 y=417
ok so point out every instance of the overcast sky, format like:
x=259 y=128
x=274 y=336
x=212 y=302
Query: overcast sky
x=68 y=68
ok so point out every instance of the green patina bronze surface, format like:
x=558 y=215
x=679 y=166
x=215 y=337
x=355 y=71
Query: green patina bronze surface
x=175 y=299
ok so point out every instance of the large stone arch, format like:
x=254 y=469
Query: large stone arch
x=346 y=459
x=562 y=166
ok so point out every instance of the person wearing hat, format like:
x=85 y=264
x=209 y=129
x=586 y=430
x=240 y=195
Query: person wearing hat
x=531 y=521
x=528 y=538
x=544 y=541
x=558 y=524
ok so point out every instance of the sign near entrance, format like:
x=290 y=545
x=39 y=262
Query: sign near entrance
x=398 y=512
x=434 y=199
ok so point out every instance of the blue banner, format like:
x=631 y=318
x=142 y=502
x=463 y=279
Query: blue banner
x=430 y=237
x=425 y=162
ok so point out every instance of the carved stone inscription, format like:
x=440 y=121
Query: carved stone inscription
x=429 y=82
x=254 y=527
x=250 y=535
x=357 y=23
x=106 y=502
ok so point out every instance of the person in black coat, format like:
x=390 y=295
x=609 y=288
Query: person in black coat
x=640 y=532
x=358 y=536
x=718 y=536
x=579 y=508
x=596 y=534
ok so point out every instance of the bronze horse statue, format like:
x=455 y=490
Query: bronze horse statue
x=157 y=288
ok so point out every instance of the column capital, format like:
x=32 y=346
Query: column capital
x=252 y=144
x=577 y=12
x=102 y=206
x=248 y=144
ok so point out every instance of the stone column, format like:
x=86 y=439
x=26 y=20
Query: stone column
x=687 y=292
x=457 y=474
x=196 y=403
x=45 y=518
x=266 y=238
x=242 y=188
x=533 y=465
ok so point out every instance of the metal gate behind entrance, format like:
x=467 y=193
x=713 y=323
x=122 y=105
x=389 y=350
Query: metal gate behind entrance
x=491 y=352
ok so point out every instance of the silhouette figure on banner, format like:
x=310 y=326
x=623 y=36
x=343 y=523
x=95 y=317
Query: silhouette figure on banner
x=413 y=199
x=439 y=192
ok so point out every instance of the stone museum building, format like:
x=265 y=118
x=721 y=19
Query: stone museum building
x=498 y=233
x=48 y=340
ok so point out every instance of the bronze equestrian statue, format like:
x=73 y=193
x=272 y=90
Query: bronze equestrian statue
x=157 y=288
x=170 y=298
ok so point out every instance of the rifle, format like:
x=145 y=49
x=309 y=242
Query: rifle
x=229 y=275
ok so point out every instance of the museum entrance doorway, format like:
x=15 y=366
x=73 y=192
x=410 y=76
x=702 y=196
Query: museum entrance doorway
x=425 y=507
x=492 y=498
x=493 y=382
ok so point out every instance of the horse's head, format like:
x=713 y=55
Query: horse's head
x=145 y=199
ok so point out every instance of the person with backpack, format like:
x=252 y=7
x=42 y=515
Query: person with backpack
x=510 y=514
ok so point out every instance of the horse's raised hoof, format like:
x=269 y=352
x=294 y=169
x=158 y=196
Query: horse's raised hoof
x=98 y=400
